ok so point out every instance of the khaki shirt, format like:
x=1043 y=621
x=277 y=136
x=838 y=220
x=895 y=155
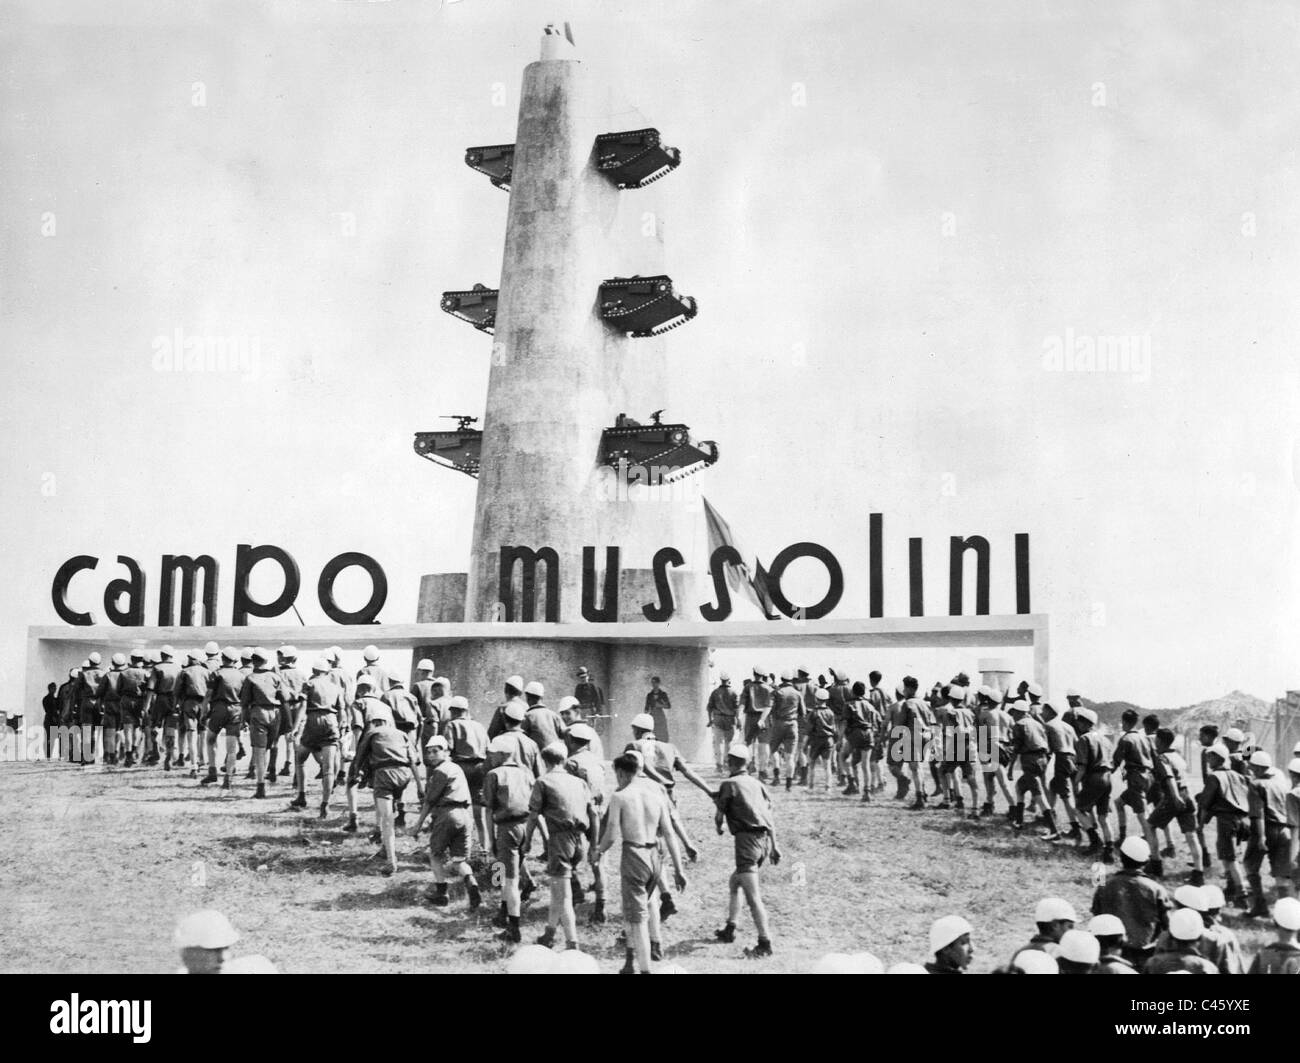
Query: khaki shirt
x=745 y=803
x=562 y=799
x=507 y=791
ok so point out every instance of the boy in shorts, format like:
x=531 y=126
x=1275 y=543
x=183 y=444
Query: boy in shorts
x=383 y=762
x=323 y=697
x=507 y=789
x=565 y=802
x=745 y=806
x=1173 y=802
x=447 y=801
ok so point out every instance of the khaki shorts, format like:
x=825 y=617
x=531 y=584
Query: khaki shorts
x=475 y=772
x=510 y=846
x=782 y=738
x=724 y=728
x=752 y=850
x=1094 y=792
x=449 y=835
x=1167 y=811
x=565 y=851
x=320 y=730
x=1136 y=788
x=263 y=727
x=390 y=781
x=1229 y=830
x=226 y=718
x=639 y=878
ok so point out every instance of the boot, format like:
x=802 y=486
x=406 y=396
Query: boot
x=579 y=894
x=598 y=912
x=986 y=808
x=763 y=948
x=261 y=790
x=1197 y=878
x=629 y=964
x=511 y=932
x=351 y=825
x=656 y=952
x=473 y=895
x=208 y=779
x=776 y=777
x=727 y=934
x=1107 y=853
x=789 y=782
x=1075 y=833
x=399 y=820
x=225 y=783
x=1053 y=834
x=547 y=938
x=324 y=810
x=251 y=773
x=1017 y=813
x=242 y=751
x=1094 y=843
x=1259 y=906
x=438 y=897
x=501 y=920
x=904 y=784
x=167 y=763
x=852 y=788
x=299 y=802
x=1156 y=867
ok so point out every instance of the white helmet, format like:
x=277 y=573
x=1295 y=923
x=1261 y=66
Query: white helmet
x=371 y=653
x=535 y=688
x=425 y=665
x=208 y=929
x=643 y=721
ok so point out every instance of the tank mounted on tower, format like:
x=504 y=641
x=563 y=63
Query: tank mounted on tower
x=666 y=451
x=478 y=306
x=636 y=158
x=496 y=161
x=458 y=449
x=644 y=306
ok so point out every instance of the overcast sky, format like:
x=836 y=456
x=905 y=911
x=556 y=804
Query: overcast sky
x=894 y=215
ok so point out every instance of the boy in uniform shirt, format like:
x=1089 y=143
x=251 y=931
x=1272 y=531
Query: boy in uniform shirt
x=1140 y=902
x=721 y=710
x=755 y=701
x=292 y=679
x=565 y=802
x=861 y=726
x=1061 y=743
x=507 y=789
x=639 y=818
x=1172 y=801
x=1133 y=752
x=745 y=806
x=1225 y=799
x=467 y=741
x=1183 y=954
x=1269 y=835
x=822 y=739
x=994 y=724
x=384 y=763
x=447 y=800
x=163 y=708
x=588 y=765
x=1283 y=955
x=541 y=724
x=1093 y=784
x=110 y=705
x=960 y=753
x=1029 y=744
x=1109 y=932
x=1226 y=953
x=514 y=693
x=223 y=712
x=915 y=722
x=323 y=704
x=131 y=690
x=512 y=719
x=261 y=698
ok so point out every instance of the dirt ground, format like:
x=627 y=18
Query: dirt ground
x=96 y=865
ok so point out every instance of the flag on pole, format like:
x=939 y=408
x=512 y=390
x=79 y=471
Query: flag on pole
x=748 y=577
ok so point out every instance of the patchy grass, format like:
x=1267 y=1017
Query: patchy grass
x=95 y=867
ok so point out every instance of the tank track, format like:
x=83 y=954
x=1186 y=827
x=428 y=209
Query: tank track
x=495 y=161
x=618 y=151
x=481 y=297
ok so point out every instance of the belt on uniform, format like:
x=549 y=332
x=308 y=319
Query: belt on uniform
x=467 y=760
x=510 y=821
x=750 y=830
x=1098 y=771
x=452 y=804
x=641 y=845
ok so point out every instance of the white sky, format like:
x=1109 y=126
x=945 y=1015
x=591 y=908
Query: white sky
x=850 y=356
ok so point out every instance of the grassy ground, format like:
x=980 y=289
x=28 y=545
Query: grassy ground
x=96 y=865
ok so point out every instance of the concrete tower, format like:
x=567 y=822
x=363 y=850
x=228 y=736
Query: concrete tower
x=559 y=376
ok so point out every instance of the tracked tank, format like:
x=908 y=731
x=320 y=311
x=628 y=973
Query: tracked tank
x=644 y=306
x=665 y=452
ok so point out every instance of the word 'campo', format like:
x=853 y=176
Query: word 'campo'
x=189 y=569
x=526 y=559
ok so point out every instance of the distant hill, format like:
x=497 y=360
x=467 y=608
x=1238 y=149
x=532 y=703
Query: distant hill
x=1225 y=711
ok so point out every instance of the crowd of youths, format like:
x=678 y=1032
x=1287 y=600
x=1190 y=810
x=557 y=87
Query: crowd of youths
x=537 y=773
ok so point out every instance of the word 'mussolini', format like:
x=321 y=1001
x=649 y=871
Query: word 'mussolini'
x=767 y=581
